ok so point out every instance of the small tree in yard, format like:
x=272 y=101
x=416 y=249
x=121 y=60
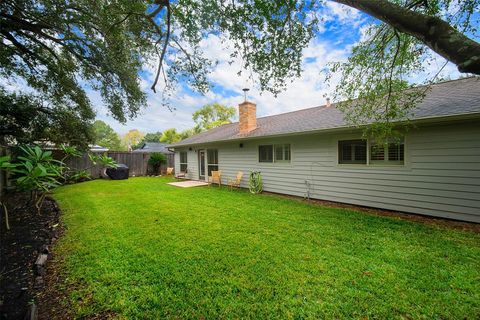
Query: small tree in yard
x=36 y=171
x=156 y=160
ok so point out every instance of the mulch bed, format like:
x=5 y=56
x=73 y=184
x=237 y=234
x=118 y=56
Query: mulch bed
x=24 y=255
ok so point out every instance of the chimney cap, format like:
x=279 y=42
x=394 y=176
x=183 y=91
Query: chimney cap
x=328 y=102
x=245 y=90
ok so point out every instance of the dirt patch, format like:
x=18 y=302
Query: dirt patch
x=439 y=222
x=25 y=254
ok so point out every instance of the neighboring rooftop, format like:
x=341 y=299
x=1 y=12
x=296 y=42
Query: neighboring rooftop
x=450 y=98
x=153 y=147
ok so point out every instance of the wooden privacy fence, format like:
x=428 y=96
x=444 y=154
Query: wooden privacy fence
x=137 y=162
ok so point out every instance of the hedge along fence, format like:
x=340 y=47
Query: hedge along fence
x=137 y=162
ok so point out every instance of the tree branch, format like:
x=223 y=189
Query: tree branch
x=437 y=34
x=165 y=44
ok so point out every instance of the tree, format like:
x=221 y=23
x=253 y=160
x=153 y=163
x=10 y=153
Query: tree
x=170 y=136
x=421 y=20
x=27 y=119
x=375 y=76
x=106 y=137
x=132 y=138
x=149 y=137
x=152 y=137
x=59 y=47
x=213 y=115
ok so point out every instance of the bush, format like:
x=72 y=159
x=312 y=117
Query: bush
x=255 y=182
x=156 y=159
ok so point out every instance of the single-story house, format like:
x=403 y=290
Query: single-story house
x=149 y=147
x=434 y=170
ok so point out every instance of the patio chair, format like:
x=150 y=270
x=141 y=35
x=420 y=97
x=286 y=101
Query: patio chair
x=169 y=171
x=215 y=178
x=182 y=174
x=235 y=182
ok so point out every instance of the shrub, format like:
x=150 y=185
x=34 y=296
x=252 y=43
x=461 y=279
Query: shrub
x=156 y=159
x=255 y=182
x=37 y=172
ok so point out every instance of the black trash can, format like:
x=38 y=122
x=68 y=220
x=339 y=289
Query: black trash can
x=118 y=173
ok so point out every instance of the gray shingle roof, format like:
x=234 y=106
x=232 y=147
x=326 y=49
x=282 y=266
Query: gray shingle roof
x=153 y=147
x=448 y=98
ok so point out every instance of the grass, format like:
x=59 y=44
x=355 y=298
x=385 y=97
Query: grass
x=143 y=249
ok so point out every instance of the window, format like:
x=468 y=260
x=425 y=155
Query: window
x=212 y=161
x=265 y=153
x=282 y=153
x=352 y=151
x=392 y=152
x=274 y=153
x=183 y=161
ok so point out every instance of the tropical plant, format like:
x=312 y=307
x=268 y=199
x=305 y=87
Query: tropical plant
x=156 y=159
x=37 y=172
x=103 y=160
x=255 y=183
x=70 y=175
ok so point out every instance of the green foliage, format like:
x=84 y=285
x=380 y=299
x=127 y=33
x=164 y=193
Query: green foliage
x=149 y=137
x=156 y=160
x=55 y=46
x=213 y=115
x=206 y=118
x=375 y=78
x=28 y=119
x=255 y=183
x=170 y=136
x=103 y=160
x=106 y=137
x=254 y=257
x=133 y=138
x=152 y=137
x=37 y=172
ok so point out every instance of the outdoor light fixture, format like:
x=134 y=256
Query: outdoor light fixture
x=241 y=145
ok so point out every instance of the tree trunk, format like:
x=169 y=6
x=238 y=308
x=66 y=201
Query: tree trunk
x=434 y=32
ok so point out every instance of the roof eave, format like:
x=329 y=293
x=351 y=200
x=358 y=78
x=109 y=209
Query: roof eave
x=421 y=120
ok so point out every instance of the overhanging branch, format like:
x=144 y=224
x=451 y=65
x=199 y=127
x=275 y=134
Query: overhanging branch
x=437 y=34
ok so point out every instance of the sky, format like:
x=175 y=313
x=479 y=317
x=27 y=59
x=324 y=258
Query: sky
x=340 y=30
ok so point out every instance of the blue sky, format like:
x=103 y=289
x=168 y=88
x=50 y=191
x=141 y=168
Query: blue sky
x=340 y=30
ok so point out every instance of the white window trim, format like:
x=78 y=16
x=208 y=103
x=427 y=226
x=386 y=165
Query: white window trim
x=273 y=162
x=180 y=159
x=369 y=164
x=207 y=162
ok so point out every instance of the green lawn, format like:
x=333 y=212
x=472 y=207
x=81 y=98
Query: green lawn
x=143 y=249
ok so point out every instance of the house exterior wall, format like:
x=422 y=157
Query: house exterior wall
x=440 y=177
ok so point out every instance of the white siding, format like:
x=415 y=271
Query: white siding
x=441 y=175
x=192 y=163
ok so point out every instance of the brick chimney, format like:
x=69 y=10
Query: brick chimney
x=248 y=117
